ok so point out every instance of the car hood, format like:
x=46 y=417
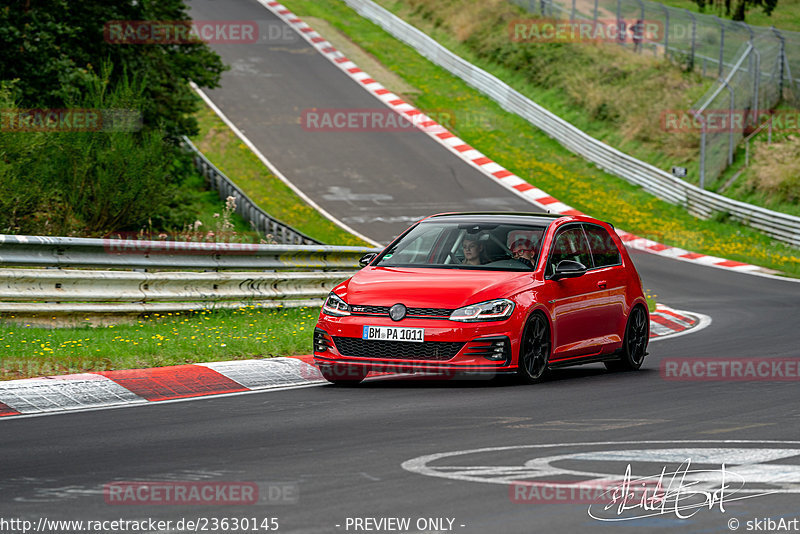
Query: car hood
x=431 y=288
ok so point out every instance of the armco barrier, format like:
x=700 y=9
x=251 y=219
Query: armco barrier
x=260 y=220
x=265 y=275
x=698 y=202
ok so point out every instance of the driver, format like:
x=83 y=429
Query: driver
x=523 y=250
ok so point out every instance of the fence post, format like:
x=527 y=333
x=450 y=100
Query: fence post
x=730 y=121
x=572 y=13
x=702 y=153
x=694 y=39
x=595 y=11
x=666 y=30
x=721 y=45
x=781 y=55
x=756 y=86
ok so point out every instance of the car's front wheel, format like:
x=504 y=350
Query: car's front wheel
x=534 y=349
x=634 y=346
x=343 y=375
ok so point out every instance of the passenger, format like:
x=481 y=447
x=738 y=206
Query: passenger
x=474 y=251
x=524 y=251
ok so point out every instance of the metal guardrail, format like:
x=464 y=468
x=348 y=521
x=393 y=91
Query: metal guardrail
x=701 y=203
x=260 y=220
x=266 y=275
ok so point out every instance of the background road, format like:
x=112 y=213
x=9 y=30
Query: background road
x=376 y=182
x=344 y=448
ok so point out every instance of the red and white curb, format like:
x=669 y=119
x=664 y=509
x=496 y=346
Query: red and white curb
x=486 y=165
x=86 y=391
x=666 y=322
x=108 y=389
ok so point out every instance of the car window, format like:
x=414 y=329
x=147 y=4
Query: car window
x=569 y=244
x=604 y=250
x=479 y=245
x=417 y=248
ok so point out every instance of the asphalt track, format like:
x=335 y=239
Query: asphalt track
x=376 y=182
x=344 y=449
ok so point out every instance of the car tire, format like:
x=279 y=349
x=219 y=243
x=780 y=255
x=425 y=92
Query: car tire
x=534 y=349
x=343 y=375
x=634 y=346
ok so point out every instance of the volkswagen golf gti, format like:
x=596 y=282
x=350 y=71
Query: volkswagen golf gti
x=488 y=293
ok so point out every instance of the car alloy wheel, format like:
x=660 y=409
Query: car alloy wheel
x=634 y=347
x=534 y=351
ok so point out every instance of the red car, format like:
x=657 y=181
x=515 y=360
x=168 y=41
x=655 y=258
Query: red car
x=487 y=293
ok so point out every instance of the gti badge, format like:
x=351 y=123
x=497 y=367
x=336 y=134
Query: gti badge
x=397 y=312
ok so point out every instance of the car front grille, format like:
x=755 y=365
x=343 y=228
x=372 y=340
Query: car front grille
x=438 y=313
x=397 y=350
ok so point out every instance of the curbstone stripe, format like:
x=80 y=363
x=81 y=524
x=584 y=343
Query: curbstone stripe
x=83 y=391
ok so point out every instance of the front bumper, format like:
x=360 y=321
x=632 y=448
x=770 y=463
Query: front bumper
x=449 y=346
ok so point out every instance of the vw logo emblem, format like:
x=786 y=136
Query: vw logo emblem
x=397 y=312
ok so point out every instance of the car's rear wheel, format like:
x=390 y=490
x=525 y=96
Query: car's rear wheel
x=534 y=349
x=343 y=375
x=634 y=346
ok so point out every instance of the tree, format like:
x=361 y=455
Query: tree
x=737 y=9
x=55 y=49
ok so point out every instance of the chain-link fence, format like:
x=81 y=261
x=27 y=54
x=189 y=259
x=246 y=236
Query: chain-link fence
x=755 y=67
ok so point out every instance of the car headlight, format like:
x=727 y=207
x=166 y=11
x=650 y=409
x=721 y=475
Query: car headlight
x=334 y=305
x=493 y=310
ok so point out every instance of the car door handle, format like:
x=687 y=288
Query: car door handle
x=602 y=284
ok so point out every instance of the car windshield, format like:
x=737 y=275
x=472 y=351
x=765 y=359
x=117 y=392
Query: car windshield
x=504 y=246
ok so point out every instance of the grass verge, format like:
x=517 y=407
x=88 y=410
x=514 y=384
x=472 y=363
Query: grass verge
x=221 y=146
x=530 y=154
x=155 y=341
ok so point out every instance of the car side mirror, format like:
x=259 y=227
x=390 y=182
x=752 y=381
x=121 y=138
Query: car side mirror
x=367 y=258
x=569 y=269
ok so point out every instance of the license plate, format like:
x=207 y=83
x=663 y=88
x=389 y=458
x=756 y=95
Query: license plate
x=394 y=333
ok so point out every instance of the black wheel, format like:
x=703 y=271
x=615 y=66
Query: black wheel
x=343 y=375
x=534 y=349
x=634 y=346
